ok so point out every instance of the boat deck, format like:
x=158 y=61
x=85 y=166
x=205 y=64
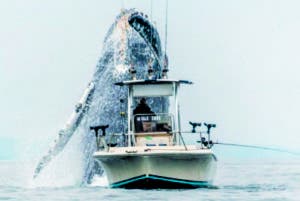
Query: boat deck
x=154 y=150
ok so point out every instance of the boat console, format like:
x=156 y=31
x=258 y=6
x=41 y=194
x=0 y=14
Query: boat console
x=153 y=129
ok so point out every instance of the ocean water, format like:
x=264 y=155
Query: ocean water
x=248 y=179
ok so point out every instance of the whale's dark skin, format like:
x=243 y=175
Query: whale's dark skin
x=132 y=41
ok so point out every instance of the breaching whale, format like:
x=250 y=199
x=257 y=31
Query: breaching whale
x=132 y=41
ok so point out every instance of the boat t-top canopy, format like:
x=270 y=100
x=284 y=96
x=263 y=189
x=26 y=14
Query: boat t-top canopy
x=153 y=88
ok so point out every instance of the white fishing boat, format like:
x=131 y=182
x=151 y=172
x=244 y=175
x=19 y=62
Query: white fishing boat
x=153 y=154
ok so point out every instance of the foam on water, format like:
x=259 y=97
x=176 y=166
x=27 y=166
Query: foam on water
x=66 y=169
x=100 y=181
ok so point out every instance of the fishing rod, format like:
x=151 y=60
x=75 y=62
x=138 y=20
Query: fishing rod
x=257 y=147
x=210 y=143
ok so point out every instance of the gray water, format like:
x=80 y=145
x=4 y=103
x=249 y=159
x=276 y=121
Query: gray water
x=249 y=179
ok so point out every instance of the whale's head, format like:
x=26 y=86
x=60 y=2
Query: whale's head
x=132 y=41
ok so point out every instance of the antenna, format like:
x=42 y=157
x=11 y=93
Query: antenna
x=151 y=17
x=166 y=63
x=151 y=7
x=166 y=27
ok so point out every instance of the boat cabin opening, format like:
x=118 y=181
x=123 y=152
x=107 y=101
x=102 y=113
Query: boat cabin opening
x=149 y=127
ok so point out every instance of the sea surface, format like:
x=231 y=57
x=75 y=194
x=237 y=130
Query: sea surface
x=248 y=179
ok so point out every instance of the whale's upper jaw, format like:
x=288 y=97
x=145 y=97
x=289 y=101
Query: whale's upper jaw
x=136 y=38
x=143 y=26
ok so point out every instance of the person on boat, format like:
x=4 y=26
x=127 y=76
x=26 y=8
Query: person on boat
x=142 y=108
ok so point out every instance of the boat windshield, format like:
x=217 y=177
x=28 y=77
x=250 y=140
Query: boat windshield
x=145 y=123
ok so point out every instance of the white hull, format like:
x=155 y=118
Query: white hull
x=170 y=166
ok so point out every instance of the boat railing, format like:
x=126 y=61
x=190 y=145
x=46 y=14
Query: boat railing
x=201 y=138
x=120 y=139
x=156 y=133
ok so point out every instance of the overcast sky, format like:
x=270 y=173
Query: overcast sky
x=243 y=57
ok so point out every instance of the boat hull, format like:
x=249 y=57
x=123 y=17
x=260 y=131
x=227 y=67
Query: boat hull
x=158 y=182
x=159 y=169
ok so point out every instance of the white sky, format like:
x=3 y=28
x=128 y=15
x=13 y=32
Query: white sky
x=242 y=55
